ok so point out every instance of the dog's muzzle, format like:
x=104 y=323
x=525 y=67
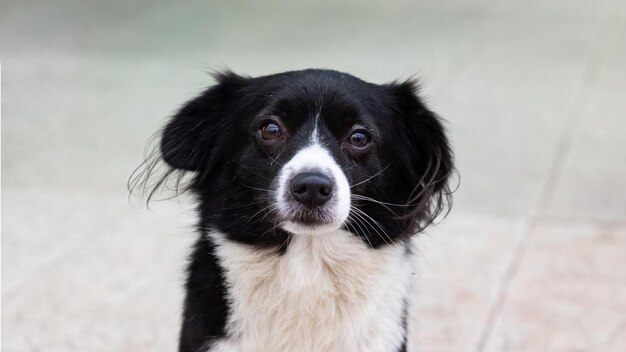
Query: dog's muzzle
x=313 y=194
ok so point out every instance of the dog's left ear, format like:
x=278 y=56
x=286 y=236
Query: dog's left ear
x=424 y=148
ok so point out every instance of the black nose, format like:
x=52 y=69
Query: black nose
x=311 y=188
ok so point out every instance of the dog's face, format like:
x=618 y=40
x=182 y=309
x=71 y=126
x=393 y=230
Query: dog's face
x=310 y=152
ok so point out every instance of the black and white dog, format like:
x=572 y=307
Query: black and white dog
x=310 y=185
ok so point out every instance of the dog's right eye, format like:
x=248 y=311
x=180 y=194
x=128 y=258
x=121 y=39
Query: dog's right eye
x=359 y=139
x=270 y=130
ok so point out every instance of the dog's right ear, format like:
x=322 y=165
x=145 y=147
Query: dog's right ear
x=192 y=138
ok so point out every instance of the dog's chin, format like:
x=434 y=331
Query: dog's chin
x=299 y=228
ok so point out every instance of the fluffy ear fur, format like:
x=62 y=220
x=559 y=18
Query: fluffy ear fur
x=426 y=151
x=191 y=137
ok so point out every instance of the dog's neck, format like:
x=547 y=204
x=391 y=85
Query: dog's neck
x=326 y=292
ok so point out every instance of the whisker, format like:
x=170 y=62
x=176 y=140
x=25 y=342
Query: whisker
x=287 y=240
x=261 y=189
x=258 y=212
x=365 y=219
x=361 y=225
x=371 y=177
x=383 y=204
x=364 y=234
x=363 y=214
x=274 y=160
x=254 y=173
x=366 y=222
x=272 y=208
x=351 y=167
x=362 y=197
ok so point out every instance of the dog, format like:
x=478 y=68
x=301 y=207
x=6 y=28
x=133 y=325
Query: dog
x=310 y=186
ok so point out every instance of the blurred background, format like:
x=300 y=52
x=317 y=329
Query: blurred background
x=531 y=258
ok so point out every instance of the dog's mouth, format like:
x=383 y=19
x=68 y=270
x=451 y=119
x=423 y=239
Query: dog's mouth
x=310 y=225
x=309 y=217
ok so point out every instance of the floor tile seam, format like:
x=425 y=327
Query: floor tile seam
x=546 y=191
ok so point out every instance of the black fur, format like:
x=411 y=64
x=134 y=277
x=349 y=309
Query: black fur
x=212 y=139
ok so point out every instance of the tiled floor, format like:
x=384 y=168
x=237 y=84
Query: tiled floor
x=532 y=257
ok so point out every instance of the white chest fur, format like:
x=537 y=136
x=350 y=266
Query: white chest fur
x=326 y=293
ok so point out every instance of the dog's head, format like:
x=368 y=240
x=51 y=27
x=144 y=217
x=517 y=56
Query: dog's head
x=310 y=152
